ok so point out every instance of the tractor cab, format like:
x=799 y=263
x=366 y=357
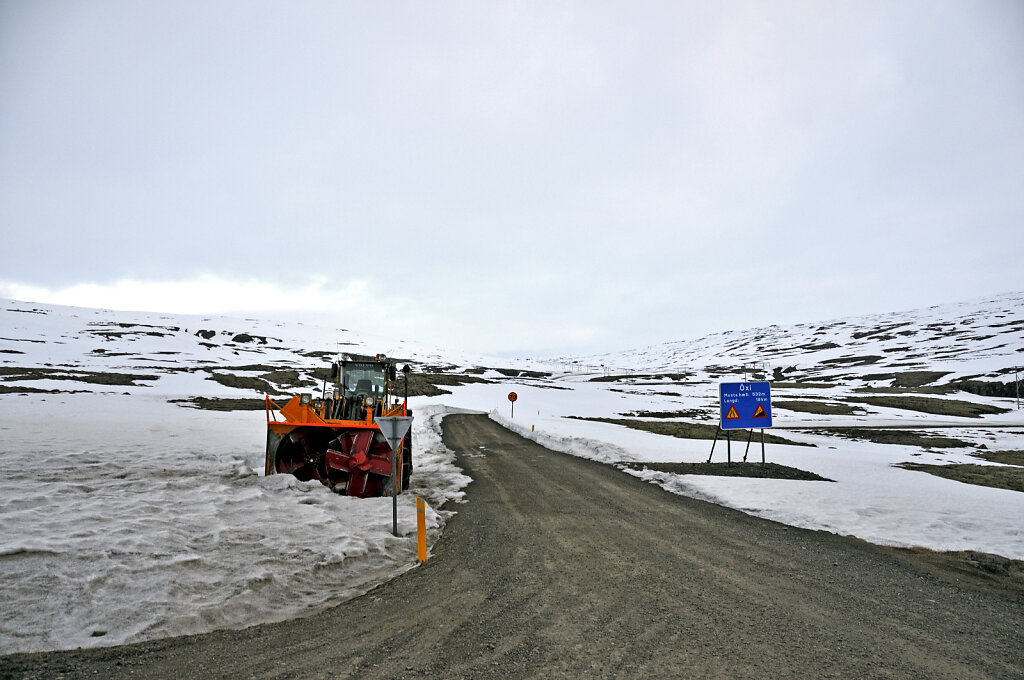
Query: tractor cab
x=362 y=385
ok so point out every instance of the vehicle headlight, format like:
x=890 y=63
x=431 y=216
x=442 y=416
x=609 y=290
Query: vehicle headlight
x=369 y=401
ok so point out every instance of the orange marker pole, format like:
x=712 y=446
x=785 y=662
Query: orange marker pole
x=421 y=528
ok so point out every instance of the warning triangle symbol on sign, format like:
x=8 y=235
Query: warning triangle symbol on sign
x=759 y=412
x=732 y=414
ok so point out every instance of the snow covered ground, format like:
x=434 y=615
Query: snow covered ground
x=128 y=516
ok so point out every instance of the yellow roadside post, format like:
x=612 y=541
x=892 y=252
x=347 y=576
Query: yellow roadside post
x=421 y=528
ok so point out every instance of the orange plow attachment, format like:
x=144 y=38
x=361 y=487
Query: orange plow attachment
x=349 y=456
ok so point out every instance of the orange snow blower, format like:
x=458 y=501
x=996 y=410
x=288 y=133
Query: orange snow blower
x=334 y=438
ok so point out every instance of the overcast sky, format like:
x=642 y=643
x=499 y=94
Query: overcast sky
x=522 y=178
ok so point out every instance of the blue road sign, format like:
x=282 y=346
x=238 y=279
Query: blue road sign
x=745 y=405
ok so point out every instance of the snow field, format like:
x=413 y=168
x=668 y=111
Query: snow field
x=127 y=517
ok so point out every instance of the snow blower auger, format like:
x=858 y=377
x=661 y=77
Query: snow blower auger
x=334 y=438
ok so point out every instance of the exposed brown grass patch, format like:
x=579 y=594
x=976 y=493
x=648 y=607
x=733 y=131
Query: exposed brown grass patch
x=739 y=469
x=996 y=476
x=684 y=430
x=939 y=407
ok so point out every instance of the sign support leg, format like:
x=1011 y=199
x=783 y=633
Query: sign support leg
x=394 y=495
x=728 y=448
x=750 y=433
x=715 y=441
x=762 y=447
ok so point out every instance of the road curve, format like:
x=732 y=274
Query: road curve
x=561 y=567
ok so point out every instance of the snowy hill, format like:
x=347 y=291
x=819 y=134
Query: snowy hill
x=70 y=345
x=982 y=340
x=129 y=513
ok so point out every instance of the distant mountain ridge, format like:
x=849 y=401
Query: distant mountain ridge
x=960 y=343
x=975 y=346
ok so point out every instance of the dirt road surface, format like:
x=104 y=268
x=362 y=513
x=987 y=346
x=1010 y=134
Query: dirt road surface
x=561 y=567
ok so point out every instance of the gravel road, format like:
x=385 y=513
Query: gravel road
x=561 y=567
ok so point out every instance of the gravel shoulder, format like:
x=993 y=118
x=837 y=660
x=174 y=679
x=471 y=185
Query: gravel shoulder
x=557 y=566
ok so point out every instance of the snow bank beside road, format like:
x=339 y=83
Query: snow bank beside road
x=584 y=447
x=127 y=518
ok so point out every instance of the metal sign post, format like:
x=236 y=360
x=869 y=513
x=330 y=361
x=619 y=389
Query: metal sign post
x=718 y=431
x=394 y=430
